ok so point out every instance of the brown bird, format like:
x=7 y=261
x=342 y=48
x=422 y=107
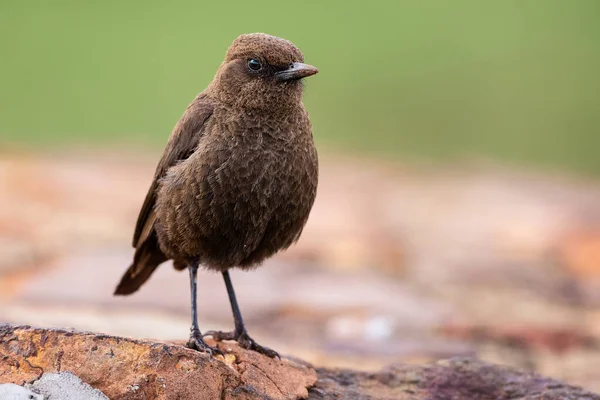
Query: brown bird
x=237 y=179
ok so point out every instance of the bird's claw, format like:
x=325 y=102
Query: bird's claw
x=196 y=342
x=244 y=340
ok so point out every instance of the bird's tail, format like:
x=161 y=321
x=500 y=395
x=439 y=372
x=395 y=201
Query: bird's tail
x=147 y=258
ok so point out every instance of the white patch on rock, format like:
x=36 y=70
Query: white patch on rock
x=65 y=386
x=10 y=391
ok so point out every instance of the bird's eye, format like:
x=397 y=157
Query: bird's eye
x=254 y=65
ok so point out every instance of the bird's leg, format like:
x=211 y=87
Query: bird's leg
x=196 y=341
x=240 y=334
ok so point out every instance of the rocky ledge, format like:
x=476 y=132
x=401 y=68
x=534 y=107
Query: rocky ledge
x=120 y=368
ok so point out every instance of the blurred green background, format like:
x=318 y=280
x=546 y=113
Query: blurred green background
x=514 y=80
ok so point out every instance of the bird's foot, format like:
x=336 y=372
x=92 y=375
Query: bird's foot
x=244 y=340
x=197 y=343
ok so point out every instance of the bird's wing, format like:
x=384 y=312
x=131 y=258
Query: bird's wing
x=181 y=145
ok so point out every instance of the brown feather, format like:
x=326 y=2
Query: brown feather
x=147 y=258
x=182 y=142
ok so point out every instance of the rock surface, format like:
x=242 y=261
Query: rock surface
x=137 y=369
x=454 y=379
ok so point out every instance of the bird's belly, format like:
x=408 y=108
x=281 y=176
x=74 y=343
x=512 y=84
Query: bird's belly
x=248 y=233
x=238 y=214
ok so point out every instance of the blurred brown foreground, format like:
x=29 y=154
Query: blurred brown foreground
x=396 y=264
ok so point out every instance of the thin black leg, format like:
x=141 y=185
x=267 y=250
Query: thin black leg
x=240 y=334
x=196 y=342
x=235 y=308
x=195 y=330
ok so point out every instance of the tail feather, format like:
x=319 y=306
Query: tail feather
x=147 y=258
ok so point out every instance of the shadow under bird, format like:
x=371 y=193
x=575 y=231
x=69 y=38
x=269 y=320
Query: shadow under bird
x=237 y=179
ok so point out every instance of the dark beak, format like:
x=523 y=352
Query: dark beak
x=296 y=71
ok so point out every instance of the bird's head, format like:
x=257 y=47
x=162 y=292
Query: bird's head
x=261 y=71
